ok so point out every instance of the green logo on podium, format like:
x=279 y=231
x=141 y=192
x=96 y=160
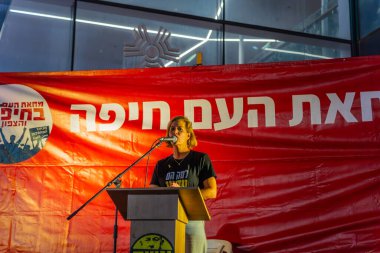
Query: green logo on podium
x=152 y=243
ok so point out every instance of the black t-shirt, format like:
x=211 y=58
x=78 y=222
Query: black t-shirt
x=188 y=172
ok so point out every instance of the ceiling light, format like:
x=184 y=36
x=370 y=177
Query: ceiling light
x=40 y=14
x=295 y=52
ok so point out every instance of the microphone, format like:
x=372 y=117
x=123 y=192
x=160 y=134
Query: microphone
x=170 y=139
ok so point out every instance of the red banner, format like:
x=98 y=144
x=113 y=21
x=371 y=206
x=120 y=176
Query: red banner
x=295 y=147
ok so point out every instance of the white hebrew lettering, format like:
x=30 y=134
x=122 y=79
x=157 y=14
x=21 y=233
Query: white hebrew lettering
x=315 y=109
x=148 y=114
x=270 y=119
x=133 y=111
x=90 y=117
x=225 y=120
x=366 y=104
x=344 y=108
x=104 y=115
x=189 y=107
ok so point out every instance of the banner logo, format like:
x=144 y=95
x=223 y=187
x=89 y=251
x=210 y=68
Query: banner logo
x=25 y=123
x=152 y=243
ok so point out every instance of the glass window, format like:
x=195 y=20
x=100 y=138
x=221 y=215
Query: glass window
x=36 y=36
x=321 y=17
x=369 y=16
x=112 y=37
x=4 y=5
x=203 y=8
x=253 y=46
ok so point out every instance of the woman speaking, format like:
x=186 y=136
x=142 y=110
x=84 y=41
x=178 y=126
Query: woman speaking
x=187 y=168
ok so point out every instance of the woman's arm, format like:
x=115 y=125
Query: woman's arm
x=210 y=188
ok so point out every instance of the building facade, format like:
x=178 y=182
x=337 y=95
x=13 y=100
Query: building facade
x=65 y=35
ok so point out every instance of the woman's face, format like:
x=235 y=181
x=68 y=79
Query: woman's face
x=178 y=129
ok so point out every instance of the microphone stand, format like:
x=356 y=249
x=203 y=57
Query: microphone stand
x=116 y=181
x=115 y=227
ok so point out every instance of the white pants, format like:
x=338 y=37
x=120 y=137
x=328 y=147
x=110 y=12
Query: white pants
x=196 y=240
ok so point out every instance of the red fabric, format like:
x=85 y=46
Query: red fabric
x=311 y=186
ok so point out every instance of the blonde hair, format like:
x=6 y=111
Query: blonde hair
x=192 y=141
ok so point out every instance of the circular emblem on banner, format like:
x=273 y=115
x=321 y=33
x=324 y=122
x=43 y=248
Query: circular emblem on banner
x=25 y=123
x=152 y=243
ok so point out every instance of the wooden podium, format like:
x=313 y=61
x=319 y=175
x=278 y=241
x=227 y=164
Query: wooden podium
x=159 y=216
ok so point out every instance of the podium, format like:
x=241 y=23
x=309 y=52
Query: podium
x=159 y=216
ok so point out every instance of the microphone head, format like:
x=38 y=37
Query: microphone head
x=174 y=139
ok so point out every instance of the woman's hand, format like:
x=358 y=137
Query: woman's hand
x=175 y=185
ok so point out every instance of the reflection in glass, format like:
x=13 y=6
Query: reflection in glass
x=369 y=16
x=201 y=8
x=36 y=36
x=105 y=37
x=4 y=5
x=322 y=17
x=252 y=46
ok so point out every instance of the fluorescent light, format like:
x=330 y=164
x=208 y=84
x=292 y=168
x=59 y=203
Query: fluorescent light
x=260 y=40
x=186 y=37
x=192 y=48
x=84 y=21
x=40 y=15
x=105 y=24
x=201 y=39
x=247 y=40
x=197 y=45
x=202 y=42
x=219 y=10
x=133 y=28
x=190 y=58
x=295 y=52
x=179 y=35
